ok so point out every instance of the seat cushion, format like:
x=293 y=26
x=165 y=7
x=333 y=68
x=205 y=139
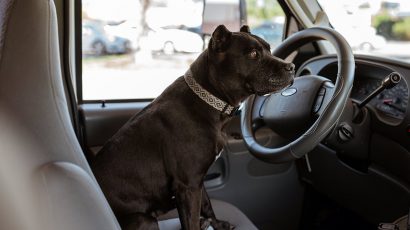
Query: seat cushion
x=71 y=199
x=223 y=211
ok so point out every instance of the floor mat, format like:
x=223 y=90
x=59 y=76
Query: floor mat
x=321 y=213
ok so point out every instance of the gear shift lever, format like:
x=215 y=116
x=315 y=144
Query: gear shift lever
x=388 y=82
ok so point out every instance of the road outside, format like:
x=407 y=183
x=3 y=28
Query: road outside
x=138 y=75
x=142 y=75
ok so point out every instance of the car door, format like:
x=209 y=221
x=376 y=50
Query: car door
x=115 y=87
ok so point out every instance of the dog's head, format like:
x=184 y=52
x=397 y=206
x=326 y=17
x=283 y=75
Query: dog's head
x=244 y=63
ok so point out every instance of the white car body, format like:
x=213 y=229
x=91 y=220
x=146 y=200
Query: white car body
x=364 y=38
x=127 y=29
x=181 y=40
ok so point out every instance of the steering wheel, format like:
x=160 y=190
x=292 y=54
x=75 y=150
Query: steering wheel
x=312 y=103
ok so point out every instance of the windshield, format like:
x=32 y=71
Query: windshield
x=374 y=27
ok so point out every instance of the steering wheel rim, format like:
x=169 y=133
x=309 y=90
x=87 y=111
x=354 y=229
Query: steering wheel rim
x=326 y=121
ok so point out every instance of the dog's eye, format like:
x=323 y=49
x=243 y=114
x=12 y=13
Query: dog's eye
x=253 y=54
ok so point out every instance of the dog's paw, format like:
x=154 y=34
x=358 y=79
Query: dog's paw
x=221 y=225
x=205 y=223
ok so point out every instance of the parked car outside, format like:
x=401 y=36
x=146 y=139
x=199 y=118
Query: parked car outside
x=96 y=41
x=270 y=31
x=125 y=29
x=356 y=39
x=171 y=40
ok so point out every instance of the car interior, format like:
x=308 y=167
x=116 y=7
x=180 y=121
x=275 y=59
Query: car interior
x=329 y=152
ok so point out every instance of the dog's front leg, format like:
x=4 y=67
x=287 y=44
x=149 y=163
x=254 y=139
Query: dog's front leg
x=208 y=213
x=188 y=201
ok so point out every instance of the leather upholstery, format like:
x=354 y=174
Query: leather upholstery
x=86 y=207
x=45 y=180
x=31 y=90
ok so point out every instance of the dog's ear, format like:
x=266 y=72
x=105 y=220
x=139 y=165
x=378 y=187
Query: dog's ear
x=245 y=28
x=221 y=39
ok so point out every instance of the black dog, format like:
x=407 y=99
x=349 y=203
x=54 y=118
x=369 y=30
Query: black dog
x=159 y=158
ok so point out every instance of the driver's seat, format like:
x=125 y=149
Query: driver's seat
x=45 y=180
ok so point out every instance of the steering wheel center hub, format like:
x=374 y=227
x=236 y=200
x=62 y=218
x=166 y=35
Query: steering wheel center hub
x=295 y=109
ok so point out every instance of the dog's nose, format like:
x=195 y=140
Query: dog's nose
x=290 y=67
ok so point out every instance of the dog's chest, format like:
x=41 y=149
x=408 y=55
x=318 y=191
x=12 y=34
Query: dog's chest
x=220 y=143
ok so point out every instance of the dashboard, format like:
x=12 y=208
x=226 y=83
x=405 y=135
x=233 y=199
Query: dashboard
x=391 y=105
x=371 y=168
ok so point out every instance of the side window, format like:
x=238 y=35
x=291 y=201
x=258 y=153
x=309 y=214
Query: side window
x=266 y=19
x=133 y=49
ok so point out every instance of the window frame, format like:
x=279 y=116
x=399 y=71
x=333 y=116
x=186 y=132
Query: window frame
x=78 y=69
x=78 y=59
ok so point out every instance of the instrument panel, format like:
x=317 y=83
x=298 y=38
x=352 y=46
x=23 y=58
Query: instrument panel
x=390 y=106
x=390 y=102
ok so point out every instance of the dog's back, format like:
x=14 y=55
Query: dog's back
x=133 y=167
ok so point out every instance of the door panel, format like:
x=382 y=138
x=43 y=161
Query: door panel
x=269 y=194
x=100 y=121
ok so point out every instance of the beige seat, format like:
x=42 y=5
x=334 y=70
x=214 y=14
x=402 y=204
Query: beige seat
x=45 y=180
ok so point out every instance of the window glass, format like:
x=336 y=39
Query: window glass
x=375 y=27
x=266 y=20
x=133 y=49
